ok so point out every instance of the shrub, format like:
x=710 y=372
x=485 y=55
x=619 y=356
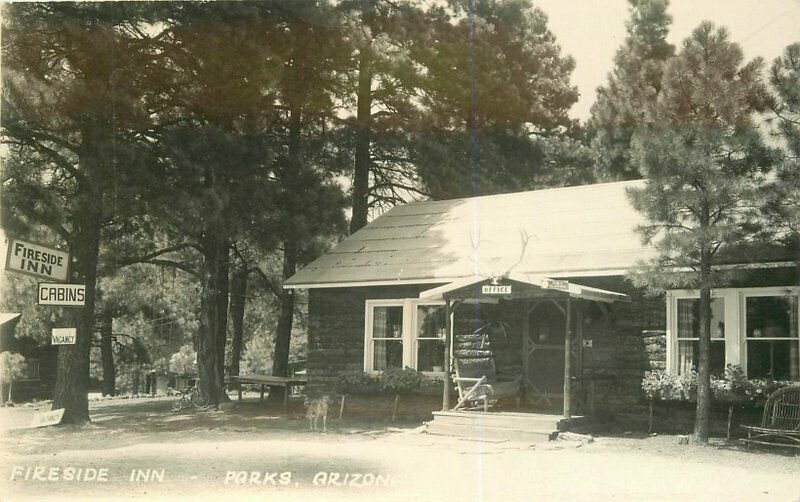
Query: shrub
x=12 y=367
x=355 y=382
x=658 y=384
x=401 y=381
x=734 y=386
x=184 y=362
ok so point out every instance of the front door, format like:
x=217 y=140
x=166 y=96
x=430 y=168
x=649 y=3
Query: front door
x=545 y=348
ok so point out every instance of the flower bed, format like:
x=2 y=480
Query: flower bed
x=734 y=390
x=367 y=393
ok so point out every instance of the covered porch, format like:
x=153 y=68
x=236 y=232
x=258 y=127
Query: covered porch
x=550 y=349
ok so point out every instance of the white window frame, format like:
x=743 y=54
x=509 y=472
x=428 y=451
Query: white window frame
x=761 y=292
x=735 y=320
x=408 y=336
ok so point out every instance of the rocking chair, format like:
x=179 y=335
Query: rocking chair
x=476 y=378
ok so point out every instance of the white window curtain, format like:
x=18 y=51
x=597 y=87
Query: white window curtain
x=380 y=329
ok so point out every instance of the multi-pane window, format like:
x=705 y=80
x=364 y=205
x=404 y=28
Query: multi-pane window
x=755 y=328
x=404 y=333
x=688 y=335
x=430 y=330
x=772 y=341
x=387 y=337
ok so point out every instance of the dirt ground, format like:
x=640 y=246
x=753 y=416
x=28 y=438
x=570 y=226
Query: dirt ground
x=140 y=449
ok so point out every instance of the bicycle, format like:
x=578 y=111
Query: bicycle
x=192 y=395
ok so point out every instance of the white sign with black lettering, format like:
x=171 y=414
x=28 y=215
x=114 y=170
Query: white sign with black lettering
x=47 y=418
x=61 y=294
x=491 y=289
x=63 y=336
x=555 y=284
x=37 y=260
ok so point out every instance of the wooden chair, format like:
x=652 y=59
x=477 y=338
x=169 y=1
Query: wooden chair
x=472 y=380
x=476 y=377
x=780 y=424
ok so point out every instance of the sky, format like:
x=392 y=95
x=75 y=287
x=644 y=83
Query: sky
x=591 y=31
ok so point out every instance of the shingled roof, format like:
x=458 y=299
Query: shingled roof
x=575 y=231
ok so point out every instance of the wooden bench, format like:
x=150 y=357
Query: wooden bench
x=780 y=424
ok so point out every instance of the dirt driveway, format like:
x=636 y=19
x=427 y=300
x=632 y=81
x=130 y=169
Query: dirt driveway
x=138 y=449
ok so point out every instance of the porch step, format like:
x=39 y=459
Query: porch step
x=540 y=422
x=489 y=434
x=498 y=425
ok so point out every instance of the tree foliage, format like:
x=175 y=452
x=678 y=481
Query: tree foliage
x=12 y=367
x=633 y=84
x=784 y=203
x=379 y=86
x=492 y=80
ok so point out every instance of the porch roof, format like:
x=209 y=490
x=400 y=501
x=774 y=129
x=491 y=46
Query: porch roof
x=532 y=286
x=7 y=316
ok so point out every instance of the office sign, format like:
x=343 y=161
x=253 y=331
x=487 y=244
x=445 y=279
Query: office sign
x=37 y=260
x=63 y=336
x=492 y=289
x=61 y=294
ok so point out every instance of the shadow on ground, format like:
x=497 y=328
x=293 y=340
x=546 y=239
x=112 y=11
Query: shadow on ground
x=123 y=422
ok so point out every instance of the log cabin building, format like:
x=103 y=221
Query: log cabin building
x=549 y=268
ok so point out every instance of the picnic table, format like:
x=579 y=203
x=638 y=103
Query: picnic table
x=271 y=381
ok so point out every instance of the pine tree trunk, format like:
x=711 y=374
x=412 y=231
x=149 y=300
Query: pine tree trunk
x=238 y=301
x=72 y=380
x=362 y=147
x=107 y=354
x=135 y=380
x=703 y=411
x=283 y=334
x=213 y=318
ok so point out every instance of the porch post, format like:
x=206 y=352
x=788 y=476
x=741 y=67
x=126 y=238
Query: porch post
x=526 y=330
x=568 y=363
x=447 y=328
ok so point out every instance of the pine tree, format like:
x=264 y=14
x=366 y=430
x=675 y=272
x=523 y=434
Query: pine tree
x=633 y=84
x=704 y=161
x=246 y=156
x=73 y=119
x=494 y=80
x=379 y=88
